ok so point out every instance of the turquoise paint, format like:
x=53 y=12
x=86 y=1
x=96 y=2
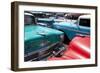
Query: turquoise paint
x=71 y=29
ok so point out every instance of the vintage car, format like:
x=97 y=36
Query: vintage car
x=79 y=48
x=82 y=26
x=39 y=41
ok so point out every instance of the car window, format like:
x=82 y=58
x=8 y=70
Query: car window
x=84 y=22
x=29 y=20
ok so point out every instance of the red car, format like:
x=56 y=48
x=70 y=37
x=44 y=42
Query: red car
x=79 y=48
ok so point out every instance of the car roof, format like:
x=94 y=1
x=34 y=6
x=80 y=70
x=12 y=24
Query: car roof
x=28 y=14
x=85 y=16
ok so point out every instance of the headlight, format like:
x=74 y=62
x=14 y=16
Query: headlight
x=44 y=43
x=62 y=37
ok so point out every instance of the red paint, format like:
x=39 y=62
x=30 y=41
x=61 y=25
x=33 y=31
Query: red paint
x=81 y=45
x=79 y=48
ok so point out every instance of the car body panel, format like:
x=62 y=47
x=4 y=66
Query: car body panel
x=71 y=29
x=68 y=28
x=81 y=45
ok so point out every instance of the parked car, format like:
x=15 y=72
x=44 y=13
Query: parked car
x=82 y=26
x=79 y=48
x=39 y=41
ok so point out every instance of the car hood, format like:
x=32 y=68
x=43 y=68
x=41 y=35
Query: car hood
x=35 y=31
x=36 y=36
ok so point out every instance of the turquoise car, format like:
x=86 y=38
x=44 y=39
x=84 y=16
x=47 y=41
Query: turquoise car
x=39 y=41
x=81 y=27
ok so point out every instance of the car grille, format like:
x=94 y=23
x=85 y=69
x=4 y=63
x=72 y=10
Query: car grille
x=40 y=55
